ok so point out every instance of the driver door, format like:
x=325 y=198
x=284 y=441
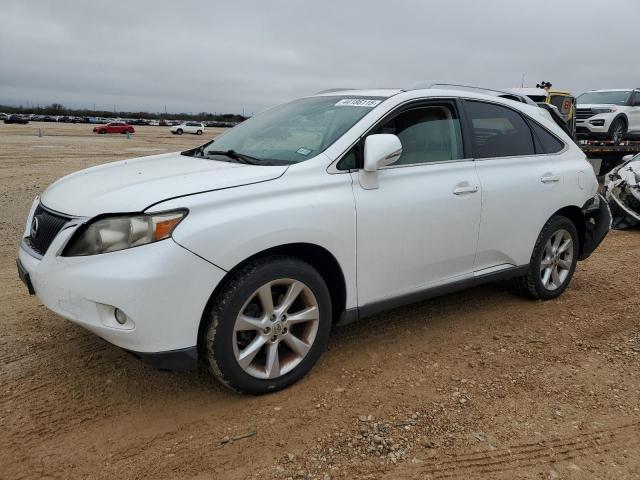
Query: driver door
x=419 y=228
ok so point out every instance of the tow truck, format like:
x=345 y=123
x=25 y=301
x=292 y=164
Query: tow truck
x=610 y=155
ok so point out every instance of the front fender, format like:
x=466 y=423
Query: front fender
x=226 y=227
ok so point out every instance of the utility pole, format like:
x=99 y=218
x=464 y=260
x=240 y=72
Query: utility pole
x=522 y=84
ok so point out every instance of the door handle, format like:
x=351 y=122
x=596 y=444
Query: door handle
x=464 y=190
x=550 y=178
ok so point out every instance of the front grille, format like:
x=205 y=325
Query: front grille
x=45 y=226
x=584 y=113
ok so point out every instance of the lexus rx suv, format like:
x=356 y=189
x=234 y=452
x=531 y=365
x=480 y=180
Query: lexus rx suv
x=245 y=251
x=611 y=115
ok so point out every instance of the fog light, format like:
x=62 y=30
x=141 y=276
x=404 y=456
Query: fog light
x=121 y=318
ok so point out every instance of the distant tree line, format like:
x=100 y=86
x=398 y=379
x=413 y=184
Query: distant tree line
x=61 y=110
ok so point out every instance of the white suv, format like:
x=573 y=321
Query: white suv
x=245 y=251
x=196 y=128
x=608 y=115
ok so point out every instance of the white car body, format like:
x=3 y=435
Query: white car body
x=397 y=234
x=594 y=120
x=196 y=128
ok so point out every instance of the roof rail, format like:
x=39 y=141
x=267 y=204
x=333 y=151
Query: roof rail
x=497 y=92
x=331 y=90
x=427 y=85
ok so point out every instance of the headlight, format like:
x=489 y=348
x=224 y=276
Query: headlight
x=117 y=232
x=604 y=110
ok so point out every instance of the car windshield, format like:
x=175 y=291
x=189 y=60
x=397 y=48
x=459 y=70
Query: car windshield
x=619 y=97
x=292 y=132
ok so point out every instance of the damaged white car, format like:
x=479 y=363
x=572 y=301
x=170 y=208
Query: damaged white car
x=622 y=190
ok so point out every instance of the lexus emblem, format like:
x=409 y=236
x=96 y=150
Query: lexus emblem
x=34 y=227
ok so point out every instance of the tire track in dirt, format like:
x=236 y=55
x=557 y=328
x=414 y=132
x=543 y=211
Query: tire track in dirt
x=524 y=455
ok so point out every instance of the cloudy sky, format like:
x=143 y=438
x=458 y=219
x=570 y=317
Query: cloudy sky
x=228 y=56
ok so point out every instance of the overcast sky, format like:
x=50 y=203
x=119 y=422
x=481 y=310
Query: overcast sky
x=225 y=56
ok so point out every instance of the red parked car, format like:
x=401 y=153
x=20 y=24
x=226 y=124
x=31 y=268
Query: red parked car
x=114 y=127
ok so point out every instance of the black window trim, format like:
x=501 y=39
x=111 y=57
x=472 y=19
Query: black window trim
x=452 y=102
x=526 y=118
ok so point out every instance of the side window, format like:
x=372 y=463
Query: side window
x=498 y=131
x=545 y=141
x=351 y=160
x=636 y=100
x=427 y=134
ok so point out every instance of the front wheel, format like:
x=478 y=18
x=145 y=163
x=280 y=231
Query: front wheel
x=199 y=132
x=553 y=260
x=179 y=131
x=617 y=131
x=268 y=325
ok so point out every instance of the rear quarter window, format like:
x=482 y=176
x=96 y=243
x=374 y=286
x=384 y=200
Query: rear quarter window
x=545 y=141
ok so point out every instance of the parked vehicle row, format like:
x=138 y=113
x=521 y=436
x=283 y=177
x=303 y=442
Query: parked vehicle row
x=16 y=119
x=245 y=251
x=104 y=120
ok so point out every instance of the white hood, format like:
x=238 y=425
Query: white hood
x=135 y=184
x=596 y=105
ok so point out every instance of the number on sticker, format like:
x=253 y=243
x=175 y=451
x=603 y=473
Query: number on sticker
x=357 y=102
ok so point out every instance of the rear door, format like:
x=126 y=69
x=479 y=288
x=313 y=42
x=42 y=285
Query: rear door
x=420 y=227
x=519 y=185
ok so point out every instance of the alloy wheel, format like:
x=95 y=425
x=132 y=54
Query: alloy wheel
x=618 y=130
x=557 y=260
x=276 y=328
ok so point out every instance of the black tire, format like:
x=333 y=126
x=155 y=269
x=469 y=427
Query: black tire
x=217 y=336
x=531 y=284
x=199 y=132
x=179 y=131
x=102 y=132
x=617 y=131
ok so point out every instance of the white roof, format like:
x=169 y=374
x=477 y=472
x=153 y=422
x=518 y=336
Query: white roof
x=614 y=90
x=529 y=91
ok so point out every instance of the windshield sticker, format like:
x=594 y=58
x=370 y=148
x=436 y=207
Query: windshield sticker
x=358 y=102
x=303 y=151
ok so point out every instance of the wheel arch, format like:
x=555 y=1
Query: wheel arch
x=318 y=257
x=576 y=215
x=621 y=116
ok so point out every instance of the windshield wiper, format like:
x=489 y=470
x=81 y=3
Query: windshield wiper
x=239 y=157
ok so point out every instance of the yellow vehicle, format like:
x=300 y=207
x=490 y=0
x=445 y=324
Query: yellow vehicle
x=562 y=100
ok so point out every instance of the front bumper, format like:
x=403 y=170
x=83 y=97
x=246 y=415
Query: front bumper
x=586 y=128
x=161 y=287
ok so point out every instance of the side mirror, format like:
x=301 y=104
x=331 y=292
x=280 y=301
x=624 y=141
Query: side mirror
x=626 y=158
x=379 y=151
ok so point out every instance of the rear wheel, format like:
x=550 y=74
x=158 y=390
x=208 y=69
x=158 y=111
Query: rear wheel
x=617 y=131
x=268 y=325
x=553 y=260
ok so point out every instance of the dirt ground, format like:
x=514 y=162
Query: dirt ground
x=478 y=384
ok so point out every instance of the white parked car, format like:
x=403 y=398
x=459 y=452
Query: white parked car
x=245 y=251
x=196 y=128
x=608 y=115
